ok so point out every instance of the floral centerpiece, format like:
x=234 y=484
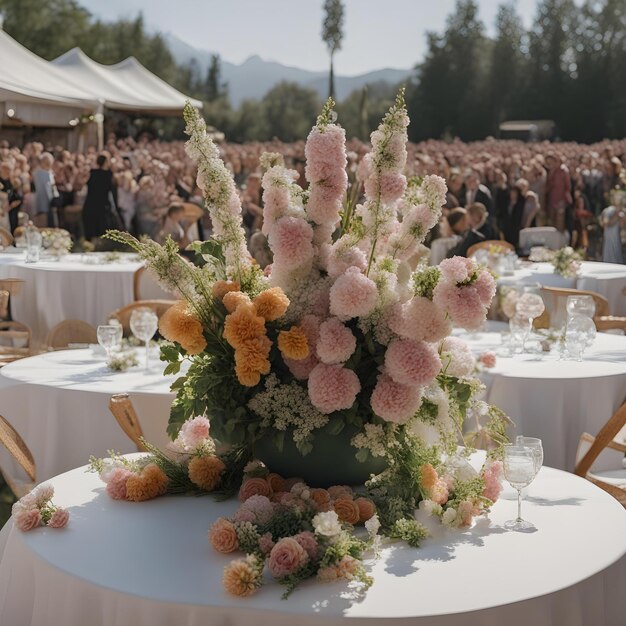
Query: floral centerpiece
x=56 y=241
x=338 y=350
x=566 y=262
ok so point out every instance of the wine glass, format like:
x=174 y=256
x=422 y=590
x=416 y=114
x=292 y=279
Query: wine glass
x=580 y=334
x=120 y=331
x=107 y=337
x=580 y=305
x=143 y=324
x=519 y=470
x=519 y=328
x=534 y=443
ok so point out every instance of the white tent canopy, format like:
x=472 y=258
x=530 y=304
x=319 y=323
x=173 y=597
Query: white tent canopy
x=36 y=93
x=126 y=86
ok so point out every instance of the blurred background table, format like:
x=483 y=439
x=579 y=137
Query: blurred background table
x=150 y=563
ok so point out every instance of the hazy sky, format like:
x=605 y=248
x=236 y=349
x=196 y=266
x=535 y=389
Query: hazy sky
x=378 y=33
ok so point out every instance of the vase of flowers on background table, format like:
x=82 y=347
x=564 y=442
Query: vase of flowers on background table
x=335 y=365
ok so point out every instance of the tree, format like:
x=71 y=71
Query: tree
x=332 y=34
x=213 y=87
x=290 y=111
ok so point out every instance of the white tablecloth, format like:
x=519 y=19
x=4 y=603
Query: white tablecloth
x=607 y=279
x=556 y=400
x=121 y=564
x=75 y=287
x=58 y=402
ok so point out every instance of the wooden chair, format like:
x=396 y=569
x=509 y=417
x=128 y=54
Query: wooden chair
x=71 y=331
x=15 y=339
x=556 y=300
x=589 y=448
x=124 y=412
x=123 y=314
x=6 y=238
x=490 y=243
x=19 y=451
x=12 y=285
x=145 y=287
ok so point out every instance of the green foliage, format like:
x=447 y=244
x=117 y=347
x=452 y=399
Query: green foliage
x=409 y=530
x=290 y=111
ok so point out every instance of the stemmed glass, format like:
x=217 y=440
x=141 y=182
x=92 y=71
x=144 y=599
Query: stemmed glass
x=535 y=445
x=120 y=331
x=107 y=337
x=519 y=470
x=580 y=334
x=143 y=324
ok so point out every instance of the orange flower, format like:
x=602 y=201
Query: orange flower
x=223 y=536
x=366 y=509
x=246 y=375
x=233 y=299
x=293 y=344
x=429 y=477
x=254 y=487
x=276 y=482
x=347 y=510
x=150 y=483
x=337 y=491
x=241 y=578
x=180 y=325
x=271 y=304
x=205 y=471
x=254 y=353
x=321 y=497
x=222 y=287
x=242 y=325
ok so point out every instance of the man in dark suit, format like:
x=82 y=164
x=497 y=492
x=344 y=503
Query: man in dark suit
x=475 y=192
x=478 y=218
x=461 y=227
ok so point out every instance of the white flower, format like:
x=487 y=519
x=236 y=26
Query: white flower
x=430 y=507
x=327 y=524
x=43 y=493
x=449 y=517
x=253 y=467
x=108 y=465
x=372 y=525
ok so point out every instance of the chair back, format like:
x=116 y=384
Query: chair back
x=12 y=441
x=15 y=340
x=12 y=285
x=4 y=304
x=546 y=236
x=123 y=314
x=71 y=331
x=145 y=287
x=124 y=412
x=6 y=238
x=440 y=247
x=490 y=243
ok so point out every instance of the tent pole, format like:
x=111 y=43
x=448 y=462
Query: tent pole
x=99 y=117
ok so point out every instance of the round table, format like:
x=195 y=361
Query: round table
x=78 y=286
x=607 y=279
x=58 y=402
x=551 y=399
x=120 y=563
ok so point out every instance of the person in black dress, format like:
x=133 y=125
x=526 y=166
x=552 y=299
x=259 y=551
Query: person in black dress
x=14 y=195
x=98 y=212
x=511 y=218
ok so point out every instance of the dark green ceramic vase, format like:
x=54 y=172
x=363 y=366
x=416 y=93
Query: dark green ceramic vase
x=331 y=462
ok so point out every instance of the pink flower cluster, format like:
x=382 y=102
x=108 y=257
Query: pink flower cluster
x=492 y=475
x=276 y=194
x=336 y=342
x=325 y=152
x=193 y=433
x=256 y=509
x=290 y=240
x=333 y=387
x=411 y=362
x=286 y=557
x=395 y=402
x=36 y=509
x=353 y=295
x=464 y=292
x=457 y=357
x=488 y=359
x=341 y=255
x=419 y=319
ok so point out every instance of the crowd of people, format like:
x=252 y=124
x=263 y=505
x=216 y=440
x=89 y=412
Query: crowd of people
x=495 y=188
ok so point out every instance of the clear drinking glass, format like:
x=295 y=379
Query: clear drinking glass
x=120 y=331
x=580 y=334
x=535 y=445
x=107 y=337
x=519 y=470
x=143 y=324
x=580 y=305
x=519 y=328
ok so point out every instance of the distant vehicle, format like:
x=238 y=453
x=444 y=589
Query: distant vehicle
x=528 y=130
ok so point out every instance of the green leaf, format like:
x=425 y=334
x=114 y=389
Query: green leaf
x=279 y=439
x=171 y=368
x=335 y=426
x=362 y=455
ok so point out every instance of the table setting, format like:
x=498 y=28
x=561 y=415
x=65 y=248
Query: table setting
x=337 y=352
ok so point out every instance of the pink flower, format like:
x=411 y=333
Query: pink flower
x=116 y=487
x=336 y=342
x=341 y=257
x=322 y=210
x=333 y=388
x=488 y=359
x=307 y=540
x=458 y=269
x=394 y=402
x=420 y=319
x=290 y=240
x=244 y=515
x=353 y=295
x=259 y=507
x=457 y=357
x=485 y=284
x=492 y=475
x=59 y=518
x=462 y=304
x=194 y=432
x=465 y=513
x=27 y=519
x=411 y=362
x=392 y=186
x=266 y=543
x=286 y=557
